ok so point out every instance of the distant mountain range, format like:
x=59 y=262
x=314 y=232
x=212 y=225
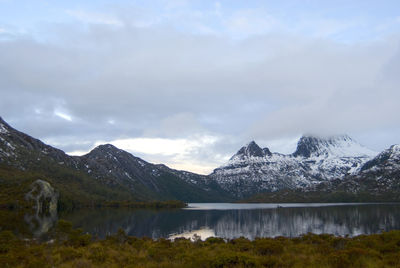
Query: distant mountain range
x=253 y=170
x=336 y=167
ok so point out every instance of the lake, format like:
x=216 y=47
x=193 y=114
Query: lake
x=228 y=220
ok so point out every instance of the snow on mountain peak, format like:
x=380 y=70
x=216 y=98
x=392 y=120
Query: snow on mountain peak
x=315 y=160
x=266 y=151
x=250 y=150
x=394 y=153
x=395 y=148
x=3 y=126
x=105 y=148
x=388 y=157
x=334 y=146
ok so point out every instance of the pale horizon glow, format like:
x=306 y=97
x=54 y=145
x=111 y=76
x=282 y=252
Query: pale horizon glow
x=154 y=150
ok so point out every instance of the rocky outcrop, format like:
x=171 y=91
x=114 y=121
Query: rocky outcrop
x=45 y=199
x=44 y=196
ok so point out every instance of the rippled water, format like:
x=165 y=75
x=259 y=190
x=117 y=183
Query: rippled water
x=247 y=220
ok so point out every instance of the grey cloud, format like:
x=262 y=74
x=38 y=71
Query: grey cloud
x=158 y=82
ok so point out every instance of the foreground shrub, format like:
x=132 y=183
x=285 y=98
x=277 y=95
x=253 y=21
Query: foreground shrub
x=266 y=246
x=72 y=248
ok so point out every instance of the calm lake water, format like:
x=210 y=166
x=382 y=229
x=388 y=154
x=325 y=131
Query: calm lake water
x=235 y=220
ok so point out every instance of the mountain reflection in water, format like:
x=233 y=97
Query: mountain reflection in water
x=250 y=223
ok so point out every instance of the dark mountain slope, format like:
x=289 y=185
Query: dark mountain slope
x=24 y=158
x=116 y=166
x=105 y=174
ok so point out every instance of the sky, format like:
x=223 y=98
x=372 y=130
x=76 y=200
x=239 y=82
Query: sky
x=187 y=83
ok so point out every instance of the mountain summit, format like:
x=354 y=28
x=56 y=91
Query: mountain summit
x=388 y=159
x=252 y=169
x=250 y=150
x=109 y=173
x=334 y=146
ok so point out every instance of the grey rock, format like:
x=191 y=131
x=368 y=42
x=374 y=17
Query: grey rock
x=45 y=200
x=44 y=196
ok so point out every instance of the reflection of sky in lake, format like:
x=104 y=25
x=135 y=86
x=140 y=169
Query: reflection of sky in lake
x=230 y=222
x=202 y=233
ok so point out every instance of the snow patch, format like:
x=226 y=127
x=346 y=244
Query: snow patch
x=127 y=174
x=395 y=151
x=3 y=129
x=349 y=148
x=9 y=145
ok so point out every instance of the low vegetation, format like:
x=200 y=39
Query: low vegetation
x=72 y=248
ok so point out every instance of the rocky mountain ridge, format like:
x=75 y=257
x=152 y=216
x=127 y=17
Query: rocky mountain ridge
x=109 y=166
x=318 y=164
x=378 y=180
x=379 y=175
x=253 y=169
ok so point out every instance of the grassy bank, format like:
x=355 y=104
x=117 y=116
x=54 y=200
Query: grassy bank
x=72 y=248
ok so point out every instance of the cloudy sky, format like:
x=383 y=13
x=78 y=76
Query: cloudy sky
x=187 y=83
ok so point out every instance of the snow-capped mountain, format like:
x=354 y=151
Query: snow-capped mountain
x=335 y=146
x=21 y=150
x=378 y=180
x=379 y=175
x=319 y=167
x=253 y=169
x=389 y=159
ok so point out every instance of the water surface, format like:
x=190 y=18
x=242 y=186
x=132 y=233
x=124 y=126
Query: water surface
x=235 y=220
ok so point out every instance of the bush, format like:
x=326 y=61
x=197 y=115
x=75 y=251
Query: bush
x=97 y=254
x=7 y=239
x=266 y=246
x=231 y=259
x=242 y=244
x=215 y=240
x=69 y=236
x=72 y=248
